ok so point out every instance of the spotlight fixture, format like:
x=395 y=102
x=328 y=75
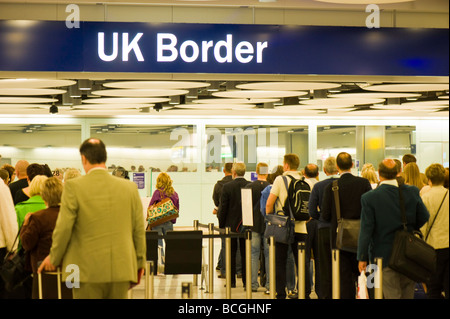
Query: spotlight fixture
x=53 y=109
x=158 y=107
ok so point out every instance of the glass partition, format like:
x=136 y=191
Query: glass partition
x=254 y=144
x=52 y=144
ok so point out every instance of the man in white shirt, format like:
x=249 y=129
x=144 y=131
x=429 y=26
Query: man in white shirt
x=278 y=196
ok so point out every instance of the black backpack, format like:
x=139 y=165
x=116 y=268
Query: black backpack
x=297 y=199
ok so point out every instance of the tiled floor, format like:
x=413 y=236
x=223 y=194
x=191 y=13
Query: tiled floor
x=170 y=286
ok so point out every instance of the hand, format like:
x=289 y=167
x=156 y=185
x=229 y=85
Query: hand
x=140 y=274
x=46 y=265
x=362 y=266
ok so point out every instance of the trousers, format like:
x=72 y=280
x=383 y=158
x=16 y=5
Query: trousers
x=107 y=290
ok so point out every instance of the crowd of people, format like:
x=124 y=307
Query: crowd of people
x=371 y=198
x=57 y=216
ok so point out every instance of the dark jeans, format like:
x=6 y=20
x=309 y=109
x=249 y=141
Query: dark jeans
x=281 y=251
x=234 y=249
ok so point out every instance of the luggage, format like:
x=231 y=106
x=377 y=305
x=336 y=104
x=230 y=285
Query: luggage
x=347 y=232
x=58 y=279
x=411 y=255
x=298 y=193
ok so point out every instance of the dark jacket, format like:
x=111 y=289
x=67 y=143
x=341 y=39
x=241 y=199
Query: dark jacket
x=217 y=192
x=258 y=219
x=351 y=189
x=230 y=208
x=381 y=218
x=315 y=201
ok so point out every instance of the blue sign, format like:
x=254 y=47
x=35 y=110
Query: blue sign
x=139 y=179
x=222 y=48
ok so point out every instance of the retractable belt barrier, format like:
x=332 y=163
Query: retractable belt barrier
x=336 y=276
x=227 y=235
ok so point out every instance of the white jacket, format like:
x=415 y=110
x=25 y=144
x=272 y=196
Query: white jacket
x=439 y=234
x=8 y=218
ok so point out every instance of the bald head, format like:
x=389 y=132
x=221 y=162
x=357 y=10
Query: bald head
x=387 y=169
x=21 y=169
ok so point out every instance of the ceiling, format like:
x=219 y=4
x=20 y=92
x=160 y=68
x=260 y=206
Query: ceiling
x=84 y=98
x=199 y=95
x=407 y=5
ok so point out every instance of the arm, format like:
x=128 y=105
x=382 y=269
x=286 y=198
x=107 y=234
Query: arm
x=223 y=207
x=313 y=204
x=366 y=231
x=270 y=203
x=326 y=203
x=8 y=218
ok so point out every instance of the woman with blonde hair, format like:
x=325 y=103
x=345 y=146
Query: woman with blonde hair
x=36 y=237
x=412 y=175
x=368 y=171
x=164 y=189
x=34 y=203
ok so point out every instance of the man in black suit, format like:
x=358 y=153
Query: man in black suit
x=351 y=188
x=230 y=215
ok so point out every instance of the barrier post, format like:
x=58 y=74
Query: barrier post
x=379 y=279
x=301 y=269
x=149 y=269
x=336 y=285
x=195 y=278
x=211 y=258
x=272 y=268
x=228 y=262
x=248 y=263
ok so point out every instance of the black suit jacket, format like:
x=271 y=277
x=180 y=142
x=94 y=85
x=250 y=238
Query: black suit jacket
x=230 y=208
x=351 y=188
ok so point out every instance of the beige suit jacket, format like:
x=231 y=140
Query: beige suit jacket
x=100 y=228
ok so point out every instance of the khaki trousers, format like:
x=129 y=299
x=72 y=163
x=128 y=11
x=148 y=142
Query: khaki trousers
x=107 y=290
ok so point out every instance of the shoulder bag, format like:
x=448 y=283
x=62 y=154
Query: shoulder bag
x=439 y=209
x=14 y=272
x=280 y=226
x=347 y=231
x=411 y=255
x=161 y=212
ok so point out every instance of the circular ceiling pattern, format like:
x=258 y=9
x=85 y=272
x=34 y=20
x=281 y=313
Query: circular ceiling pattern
x=258 y=94
x=375 y=95
x=139 y=92
x=218 y=106
x=364 y=1
x=343 y=102
x=30 y=91
x=22 y=100
x=288 y=86
x=410 y=87
x=235 y=101
x=112 y=106
x=34 y=83
x=125 y=100
x=170 y=85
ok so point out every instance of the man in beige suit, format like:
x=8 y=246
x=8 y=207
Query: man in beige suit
x=100 y=229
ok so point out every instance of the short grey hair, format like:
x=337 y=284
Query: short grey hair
x=330 y=165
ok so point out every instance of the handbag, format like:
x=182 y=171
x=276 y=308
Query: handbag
x=13 y=270
x=161 y=212
x=280 y=226
x=411 y=255
x=347 y=231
